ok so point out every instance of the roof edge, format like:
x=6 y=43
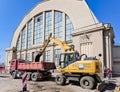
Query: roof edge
x=24 y=17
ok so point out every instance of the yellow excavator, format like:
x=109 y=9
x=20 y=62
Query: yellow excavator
x=72 y=67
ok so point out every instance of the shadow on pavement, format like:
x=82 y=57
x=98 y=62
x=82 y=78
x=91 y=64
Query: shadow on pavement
x=106 y=85
x=4 y=76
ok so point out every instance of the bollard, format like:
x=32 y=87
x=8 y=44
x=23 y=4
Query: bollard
x=24 y=82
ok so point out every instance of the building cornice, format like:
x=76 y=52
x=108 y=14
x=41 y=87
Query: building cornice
x=92 y=28
x=11 y=49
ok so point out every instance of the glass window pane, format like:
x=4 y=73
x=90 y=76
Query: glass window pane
x=29 y=34
x=38 y=29
x=69 y=28
x=24 y=38
x=58 y=25
x=47 y=56
x=18 y=44
x=48 y=23
x=28 y=56
x=22 y=56
x=57 y=53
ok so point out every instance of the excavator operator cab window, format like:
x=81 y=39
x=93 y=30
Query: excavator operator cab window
x=62 y=56
x=62 y=60
x=68 y=58
x=77 y=56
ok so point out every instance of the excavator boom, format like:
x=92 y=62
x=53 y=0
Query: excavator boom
x=62 y=44
x=42 y=49
x=56 y=41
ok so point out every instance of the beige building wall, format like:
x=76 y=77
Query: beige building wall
x=94 y=40
x=90 y=33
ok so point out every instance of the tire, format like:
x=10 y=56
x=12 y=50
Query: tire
x=87 y=82
x=28 y=76
x=60 y=80
x=14 y=75
x=102 y=87
x=34 y=76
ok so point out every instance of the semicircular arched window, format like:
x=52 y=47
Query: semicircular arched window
x=39 y=27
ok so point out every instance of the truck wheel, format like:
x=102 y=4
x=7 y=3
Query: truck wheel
x=34 y=76
x=87 y=82
x=28 y=76
x=14 y=75
x=60 y=79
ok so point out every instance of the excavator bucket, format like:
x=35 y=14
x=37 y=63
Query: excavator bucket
x=37 y=58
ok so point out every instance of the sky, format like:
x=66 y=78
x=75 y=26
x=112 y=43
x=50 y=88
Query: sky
x=12 y=12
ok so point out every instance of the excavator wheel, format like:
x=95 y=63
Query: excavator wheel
x=87 y=82
x=60 y=80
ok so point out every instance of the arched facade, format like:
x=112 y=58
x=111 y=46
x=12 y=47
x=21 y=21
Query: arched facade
x=68 y=20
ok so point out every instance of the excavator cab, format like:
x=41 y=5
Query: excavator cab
x=68 y=58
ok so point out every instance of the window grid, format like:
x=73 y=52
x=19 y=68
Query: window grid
x=38 y=29
x=28 y=56
x=24 y=39
x=57 y=56
x=29 y=33
x=22 y=56
x=18 y=44
x=48 y=23
x=69 y=28
x=47 y=56
x=58 y=25
x=18 y=56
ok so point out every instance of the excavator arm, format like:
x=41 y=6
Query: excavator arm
x=56 y=41
x=42 y=49
x=61 y=44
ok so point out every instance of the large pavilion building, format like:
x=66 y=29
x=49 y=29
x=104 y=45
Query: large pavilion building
x=71 y=21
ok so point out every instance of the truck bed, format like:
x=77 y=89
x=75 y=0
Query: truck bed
x=36 y=66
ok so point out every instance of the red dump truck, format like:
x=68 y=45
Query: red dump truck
x=35 y=70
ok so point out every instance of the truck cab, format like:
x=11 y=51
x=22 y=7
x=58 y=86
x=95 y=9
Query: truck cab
x=13 y=65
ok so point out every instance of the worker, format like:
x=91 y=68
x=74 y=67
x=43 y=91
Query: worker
x=108 y=73
x=71 y=57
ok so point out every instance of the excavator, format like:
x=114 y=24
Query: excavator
x=73 y=66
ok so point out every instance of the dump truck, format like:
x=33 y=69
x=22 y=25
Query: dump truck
x=35 y=70
x=76 y=67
